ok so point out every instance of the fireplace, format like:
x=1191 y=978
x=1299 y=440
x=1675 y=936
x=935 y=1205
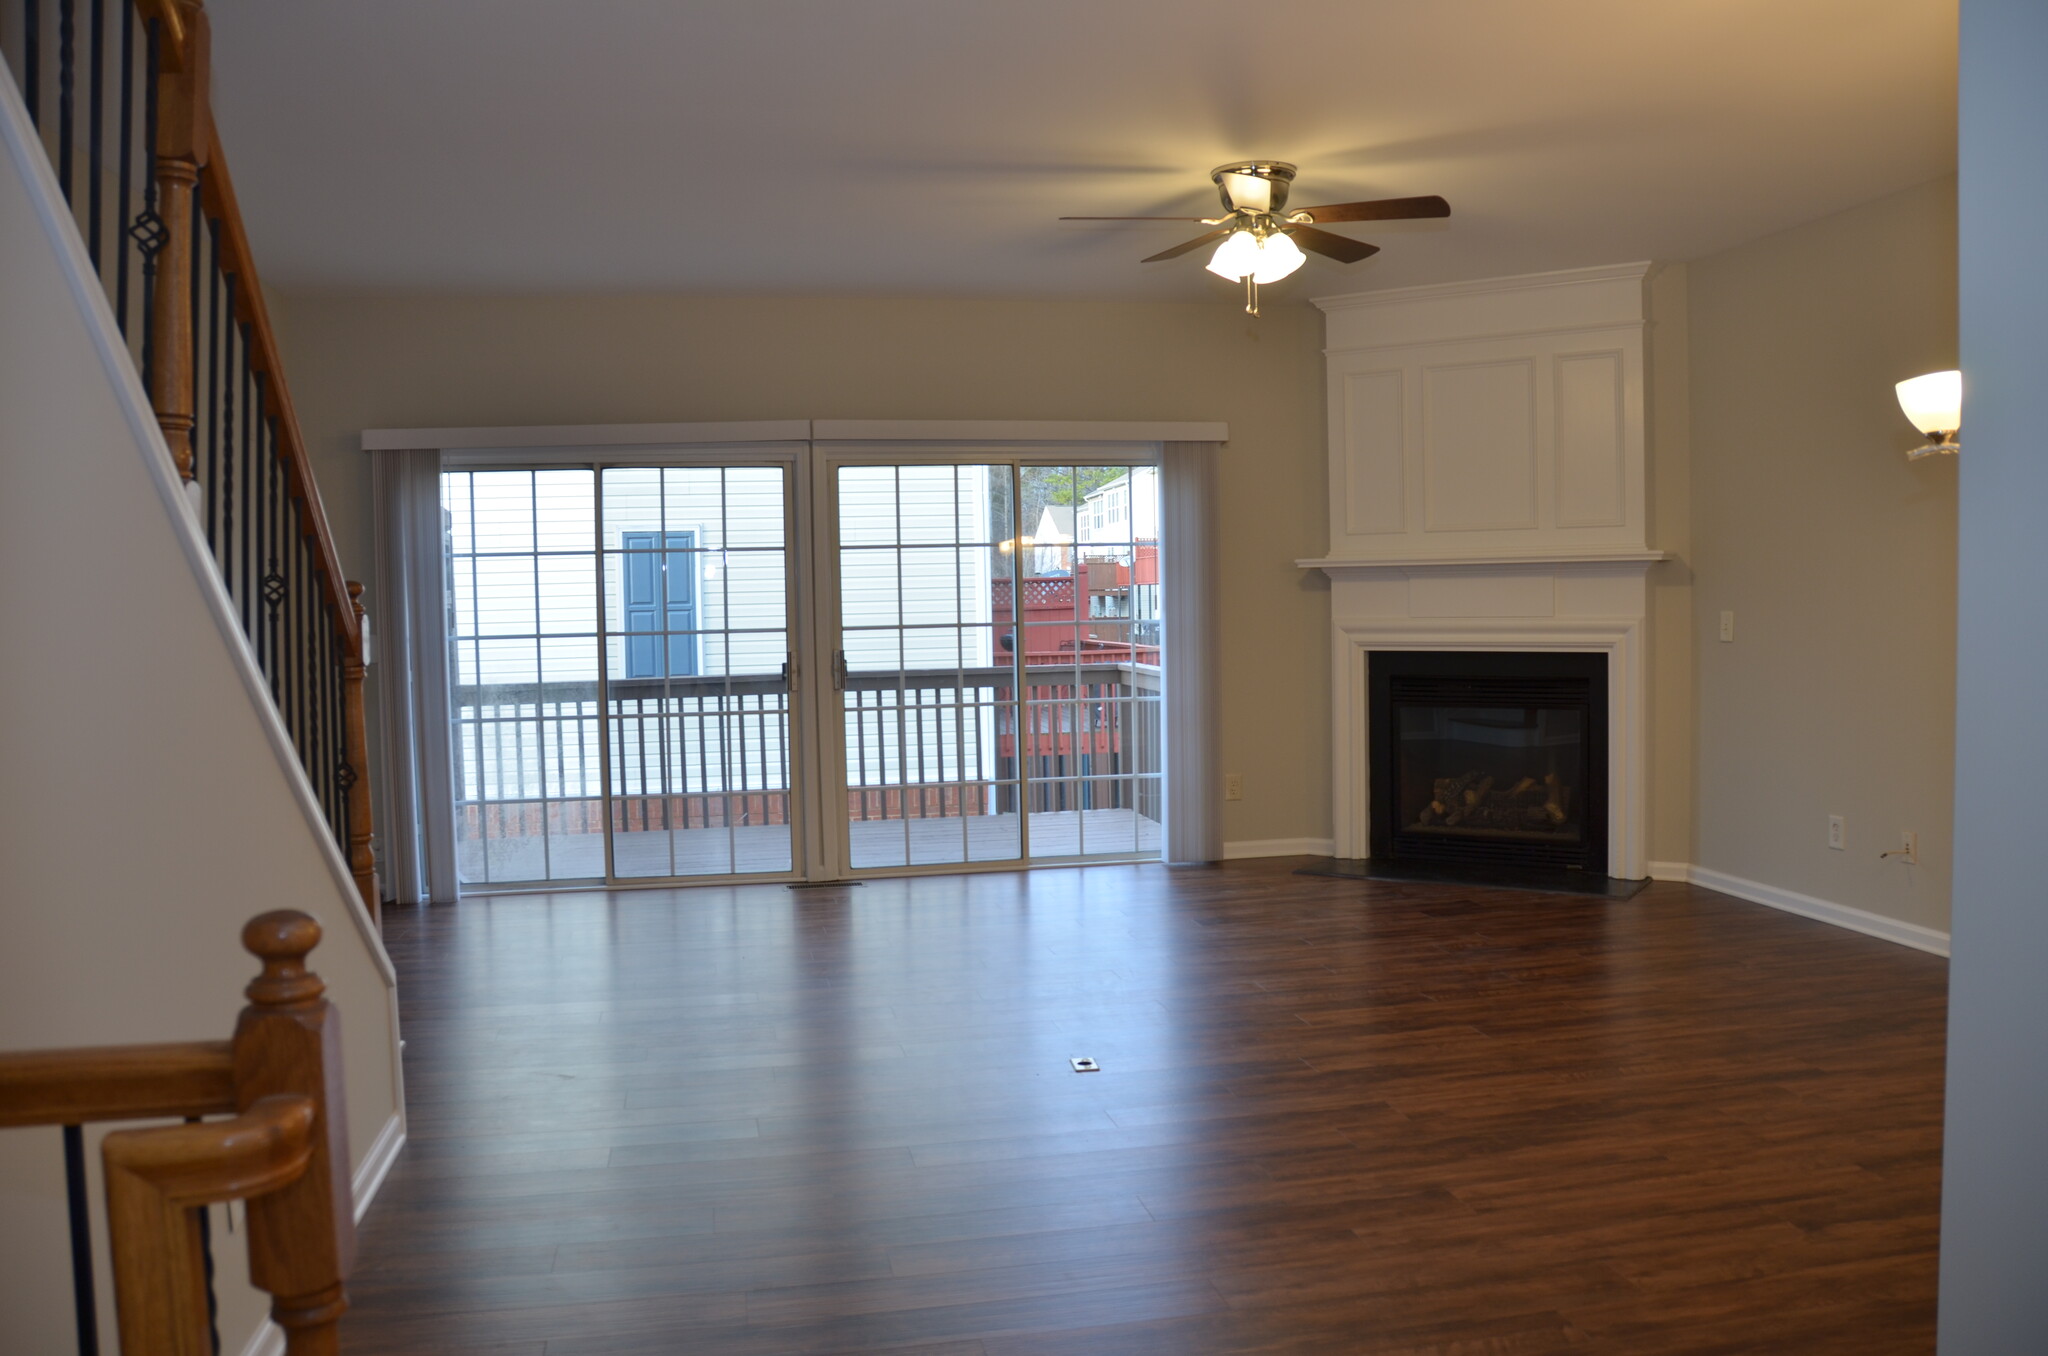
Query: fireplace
x=1489 y=758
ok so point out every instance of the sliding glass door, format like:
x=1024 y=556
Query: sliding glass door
x=619 y=641
x=997 y=668
x=697 y=694
x=637 y=697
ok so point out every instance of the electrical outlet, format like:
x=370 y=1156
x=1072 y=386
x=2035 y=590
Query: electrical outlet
x=1908 y=849
x=1838 y=835
x=1727 y=626
x=1233 y=786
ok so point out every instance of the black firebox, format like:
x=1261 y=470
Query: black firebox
x=1489 y=759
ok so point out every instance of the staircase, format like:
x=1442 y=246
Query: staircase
x=183 y=741
x=118 y=93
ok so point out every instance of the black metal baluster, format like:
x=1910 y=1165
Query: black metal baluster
x=244 y=454
x=308 y=611
x=67 y=32
x=84 y=1304
x=273 y=575
x=125 y=168
x=323 y=739
x=230 y=556
x=148 y=229
x=212 y=404
x=95 y=135
x=32 y=61
x=205 y=1214
x=195 y=263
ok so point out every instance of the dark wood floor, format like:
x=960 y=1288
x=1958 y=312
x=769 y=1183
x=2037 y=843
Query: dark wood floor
x=1334 y=1116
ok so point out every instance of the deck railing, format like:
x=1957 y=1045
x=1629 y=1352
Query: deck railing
x=119 y=91
x=710 y=751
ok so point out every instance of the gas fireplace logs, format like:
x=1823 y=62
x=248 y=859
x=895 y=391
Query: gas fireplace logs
x=1471 y=801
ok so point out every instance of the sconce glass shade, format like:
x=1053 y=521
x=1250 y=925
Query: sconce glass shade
x=1934 y=402
x=1266 y=261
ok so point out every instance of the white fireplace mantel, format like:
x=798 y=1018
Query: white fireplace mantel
x=1590 y=606
x=1489 y=491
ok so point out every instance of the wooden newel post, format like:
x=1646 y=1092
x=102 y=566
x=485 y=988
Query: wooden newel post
x=182 y=138
x=362 y=862
x=302 y=1235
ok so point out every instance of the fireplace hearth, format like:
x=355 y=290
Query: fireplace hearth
x=1489 y=759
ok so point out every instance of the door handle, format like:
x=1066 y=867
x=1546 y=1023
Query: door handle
x=839 y=670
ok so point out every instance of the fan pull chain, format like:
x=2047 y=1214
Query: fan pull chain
x=1251 y=295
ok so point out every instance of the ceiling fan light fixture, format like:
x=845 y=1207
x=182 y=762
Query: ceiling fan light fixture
x=1264 y=260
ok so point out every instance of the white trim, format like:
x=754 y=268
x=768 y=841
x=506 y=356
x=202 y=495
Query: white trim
x=1823 y=910
x=1277 y=847
x=1479 y=287
x=47 y=201
x=797 y=430
x=1019 y=430
x=1678 y=871
x=1583 y=555
x=586 y=435
x=376 y=1165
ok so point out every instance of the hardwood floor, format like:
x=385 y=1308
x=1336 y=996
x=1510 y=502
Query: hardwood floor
x=1334 y=1116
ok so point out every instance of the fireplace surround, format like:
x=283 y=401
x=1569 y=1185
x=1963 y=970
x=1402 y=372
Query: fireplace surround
x=1489 y=493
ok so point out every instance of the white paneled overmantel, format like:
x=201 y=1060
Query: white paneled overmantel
x=1501 y=417
x=1489 y=492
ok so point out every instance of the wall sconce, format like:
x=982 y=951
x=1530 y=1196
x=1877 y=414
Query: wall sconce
x=1934 y=403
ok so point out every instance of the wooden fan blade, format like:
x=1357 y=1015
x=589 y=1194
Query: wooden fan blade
x=1178 y=250
x=1134 y=218
x=1386 y=209
x=1331 y=245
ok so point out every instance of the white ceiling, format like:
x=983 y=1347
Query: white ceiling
x=926 y=146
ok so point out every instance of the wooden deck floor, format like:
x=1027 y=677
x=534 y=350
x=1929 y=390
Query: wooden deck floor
x=1334 y=1116
x=873 y=844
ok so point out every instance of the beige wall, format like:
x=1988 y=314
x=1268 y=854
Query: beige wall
x=1835 y=553
x=409 y=361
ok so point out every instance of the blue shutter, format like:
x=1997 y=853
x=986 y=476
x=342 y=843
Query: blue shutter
x=680 y=574
x=642 y=604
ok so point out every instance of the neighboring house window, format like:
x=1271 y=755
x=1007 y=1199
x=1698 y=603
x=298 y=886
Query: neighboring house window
x=661 y=596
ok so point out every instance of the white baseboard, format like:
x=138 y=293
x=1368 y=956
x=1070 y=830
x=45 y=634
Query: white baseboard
x=1821 y=910
x=376 y=1164
x=1278 y=847
x=268 y=1339
x=1678 y=871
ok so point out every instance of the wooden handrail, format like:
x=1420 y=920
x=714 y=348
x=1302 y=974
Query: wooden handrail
x=117 y=1083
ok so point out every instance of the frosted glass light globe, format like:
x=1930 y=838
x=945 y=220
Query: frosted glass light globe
x=1933 y=402
x=1278 y=257
x=1236 y=256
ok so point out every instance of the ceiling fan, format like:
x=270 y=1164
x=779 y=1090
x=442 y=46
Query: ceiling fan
x=1263 y=241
